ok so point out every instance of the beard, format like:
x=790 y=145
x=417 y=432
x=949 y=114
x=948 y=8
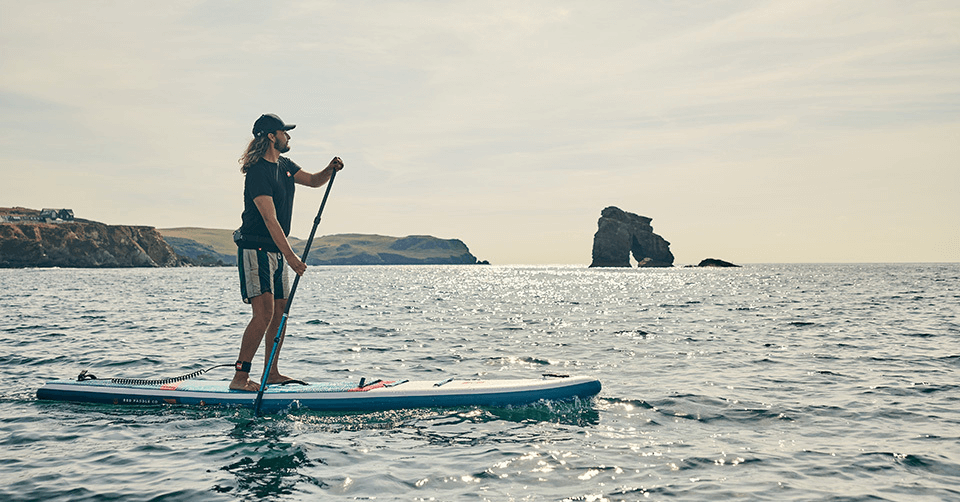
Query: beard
x=282 y=149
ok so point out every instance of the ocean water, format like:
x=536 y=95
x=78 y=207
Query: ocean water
x=767 y=382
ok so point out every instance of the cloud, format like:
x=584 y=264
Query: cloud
x=499 y=122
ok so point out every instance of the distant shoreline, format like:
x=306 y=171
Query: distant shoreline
x=55 y=238
x=338 y=249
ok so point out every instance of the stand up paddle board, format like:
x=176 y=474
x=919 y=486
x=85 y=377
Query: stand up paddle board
x=343 y=396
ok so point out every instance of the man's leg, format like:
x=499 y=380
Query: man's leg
x=278 y=308
x=262 y=314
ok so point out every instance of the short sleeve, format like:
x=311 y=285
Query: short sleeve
x=258 y=183
x=289 y=165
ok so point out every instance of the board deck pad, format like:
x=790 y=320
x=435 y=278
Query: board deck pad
x=329 y=396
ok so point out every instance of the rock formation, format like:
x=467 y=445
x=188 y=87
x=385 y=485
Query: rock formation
x=621 y=233
x=82 y=243
x=713 y=262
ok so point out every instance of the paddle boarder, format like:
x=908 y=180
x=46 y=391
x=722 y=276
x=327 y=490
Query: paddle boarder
x=262 y=247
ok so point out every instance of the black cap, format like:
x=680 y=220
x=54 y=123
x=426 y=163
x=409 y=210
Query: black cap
x=268 y=123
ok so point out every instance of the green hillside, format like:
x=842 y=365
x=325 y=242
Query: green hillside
x=369 y=249
x=340 y=249
x=218 y=239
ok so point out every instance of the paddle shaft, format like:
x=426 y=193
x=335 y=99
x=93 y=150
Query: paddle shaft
x=293 y=291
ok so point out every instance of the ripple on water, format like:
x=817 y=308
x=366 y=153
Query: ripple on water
x=773 y=382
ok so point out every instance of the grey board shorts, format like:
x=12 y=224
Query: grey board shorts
x=262 y=272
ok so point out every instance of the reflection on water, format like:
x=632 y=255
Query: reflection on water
x=275 y=456
x=271 y=470
x=783 y=382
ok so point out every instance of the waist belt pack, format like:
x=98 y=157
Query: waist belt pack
x=239 y=237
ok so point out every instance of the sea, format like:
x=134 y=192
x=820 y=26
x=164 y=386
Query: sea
x=777 y=382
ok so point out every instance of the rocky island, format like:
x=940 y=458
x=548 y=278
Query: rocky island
x=714 y=262
x=621 y=233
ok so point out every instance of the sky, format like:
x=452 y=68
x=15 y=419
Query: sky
x=750 y=131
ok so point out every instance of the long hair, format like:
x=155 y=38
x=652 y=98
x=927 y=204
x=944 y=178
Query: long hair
x=254 y=152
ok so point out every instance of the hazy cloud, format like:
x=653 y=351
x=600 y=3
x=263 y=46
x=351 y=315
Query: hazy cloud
x=754 y=131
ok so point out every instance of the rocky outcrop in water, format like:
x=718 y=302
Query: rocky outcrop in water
x=713 y=262
x=621 y=233
x=81 y=243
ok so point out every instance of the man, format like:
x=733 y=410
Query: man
x=262 y=246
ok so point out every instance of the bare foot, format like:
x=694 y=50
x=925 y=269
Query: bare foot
x=244 y=384
x=278 y=378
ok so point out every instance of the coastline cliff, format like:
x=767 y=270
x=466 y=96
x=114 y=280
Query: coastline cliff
x=370 y=249
x=29 y=238
x=54 y=238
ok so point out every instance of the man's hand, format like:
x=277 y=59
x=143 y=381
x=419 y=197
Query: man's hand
x=298 y=266
x=321 y=177
x=336 y=163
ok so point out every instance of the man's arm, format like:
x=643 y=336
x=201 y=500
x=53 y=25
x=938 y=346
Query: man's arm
x=265 y=205
x=318 y=179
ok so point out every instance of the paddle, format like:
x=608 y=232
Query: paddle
x=293 y=290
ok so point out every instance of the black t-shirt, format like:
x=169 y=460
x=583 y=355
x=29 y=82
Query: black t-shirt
x=275 y=180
